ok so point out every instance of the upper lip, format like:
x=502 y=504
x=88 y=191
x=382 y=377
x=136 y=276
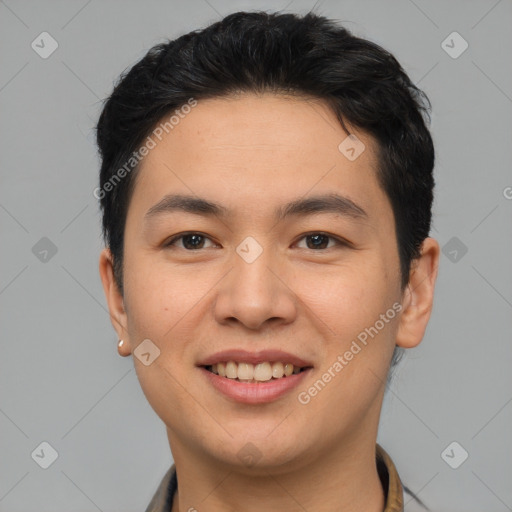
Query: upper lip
x=244 y=356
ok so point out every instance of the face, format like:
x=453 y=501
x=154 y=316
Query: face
x=293 y=261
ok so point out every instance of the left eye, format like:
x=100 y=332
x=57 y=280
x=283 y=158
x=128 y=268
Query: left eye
x=320 y=240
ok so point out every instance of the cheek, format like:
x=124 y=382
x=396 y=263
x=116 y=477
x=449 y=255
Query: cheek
x=160 y=307
x=358 y=341
x=347 y=298
x=158 y=297
x=166 y=391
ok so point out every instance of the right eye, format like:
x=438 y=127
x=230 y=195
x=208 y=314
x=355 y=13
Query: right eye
x=190 y=241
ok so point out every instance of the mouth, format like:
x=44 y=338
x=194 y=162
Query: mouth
x=260 y=373
x=254 y=377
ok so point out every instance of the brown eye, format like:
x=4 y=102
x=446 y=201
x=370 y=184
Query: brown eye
x=317 y=241
x=190 y=241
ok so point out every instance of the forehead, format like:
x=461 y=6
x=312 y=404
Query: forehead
x=250 y=148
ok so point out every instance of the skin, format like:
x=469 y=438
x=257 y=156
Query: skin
x=252 y=153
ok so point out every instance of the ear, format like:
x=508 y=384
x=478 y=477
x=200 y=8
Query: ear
x=419 y=296
x=115 y=300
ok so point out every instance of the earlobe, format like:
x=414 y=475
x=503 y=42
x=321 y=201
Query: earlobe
x=115 y=301
x=123 y=348
x=419 y=296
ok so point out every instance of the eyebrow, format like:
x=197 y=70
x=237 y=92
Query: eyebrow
x=330 y=203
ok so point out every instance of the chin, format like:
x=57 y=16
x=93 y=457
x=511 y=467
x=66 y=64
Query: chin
x=261 y=453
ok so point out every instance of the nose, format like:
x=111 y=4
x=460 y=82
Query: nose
x=255 y=293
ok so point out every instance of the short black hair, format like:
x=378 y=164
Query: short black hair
x=259 y=52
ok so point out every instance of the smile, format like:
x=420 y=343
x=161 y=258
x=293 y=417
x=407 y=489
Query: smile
x=252 y=391
x=248 y=372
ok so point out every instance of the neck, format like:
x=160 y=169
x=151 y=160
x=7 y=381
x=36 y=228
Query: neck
x=343 y=479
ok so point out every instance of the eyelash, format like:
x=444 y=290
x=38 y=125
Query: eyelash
x=338 y=241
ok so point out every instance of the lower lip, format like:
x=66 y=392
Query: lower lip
x=254 y=392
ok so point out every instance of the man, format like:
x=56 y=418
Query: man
x=266 y=186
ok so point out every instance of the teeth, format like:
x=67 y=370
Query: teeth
x=231 y=370
x=245 y=371
x=261 y=372
x=277 y=370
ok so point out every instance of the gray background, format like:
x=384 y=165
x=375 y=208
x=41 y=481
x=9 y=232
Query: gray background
x=61 y=380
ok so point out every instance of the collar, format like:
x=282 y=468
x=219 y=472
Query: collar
x=393 y=491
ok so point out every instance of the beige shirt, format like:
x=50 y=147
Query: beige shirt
x=393 y=491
